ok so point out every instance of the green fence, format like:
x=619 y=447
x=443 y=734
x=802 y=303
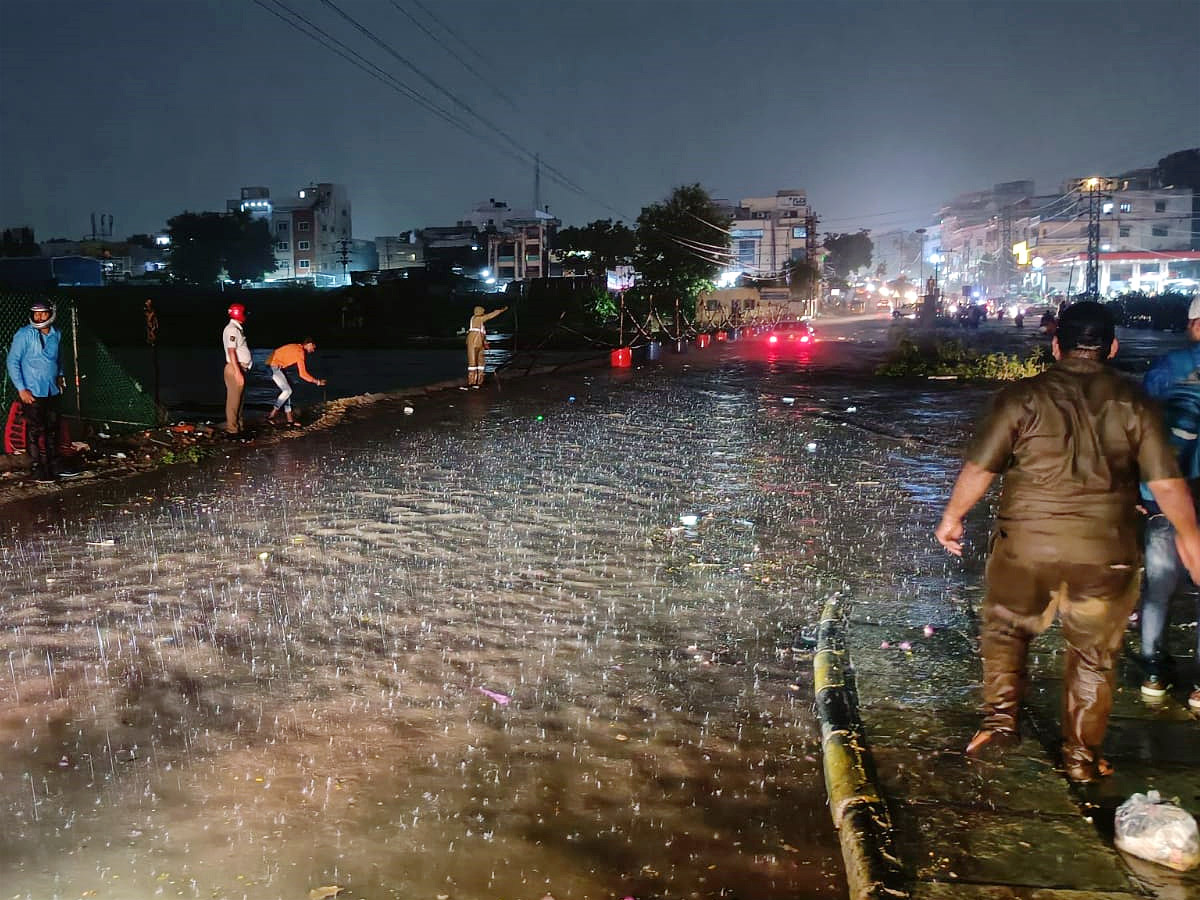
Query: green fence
x=98 y=390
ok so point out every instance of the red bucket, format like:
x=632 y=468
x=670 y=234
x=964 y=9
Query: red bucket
x=703 y=340
x=622 y=358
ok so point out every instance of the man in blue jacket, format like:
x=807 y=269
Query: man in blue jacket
x=1174 y=380
x=36 y=373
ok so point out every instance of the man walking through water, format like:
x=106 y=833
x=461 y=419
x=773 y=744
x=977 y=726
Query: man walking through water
x=237 y=364
x=1072 y=444
x=35 y=370
x=476 y=344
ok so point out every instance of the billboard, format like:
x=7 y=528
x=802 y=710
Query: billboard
x=620 y=279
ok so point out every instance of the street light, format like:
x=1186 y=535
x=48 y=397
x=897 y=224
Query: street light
x=921 y=232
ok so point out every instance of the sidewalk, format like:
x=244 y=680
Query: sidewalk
x=917 y=819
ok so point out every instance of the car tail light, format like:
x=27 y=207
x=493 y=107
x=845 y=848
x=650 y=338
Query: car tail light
x=773 y=339
x=804 y=339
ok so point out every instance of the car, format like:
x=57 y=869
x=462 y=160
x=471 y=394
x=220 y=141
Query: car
x=791 y=332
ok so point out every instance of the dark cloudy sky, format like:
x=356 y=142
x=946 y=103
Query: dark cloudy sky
x=143 y=108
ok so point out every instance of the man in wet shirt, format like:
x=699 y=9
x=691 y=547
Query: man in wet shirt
x=1072 y=444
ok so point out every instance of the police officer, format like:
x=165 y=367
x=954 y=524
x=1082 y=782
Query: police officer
x=1072 y=444
x=237 y=363
x=36 y=372
x=477 y=343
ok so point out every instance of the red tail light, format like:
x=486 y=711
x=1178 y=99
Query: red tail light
x=773 y=339
x=804 y=339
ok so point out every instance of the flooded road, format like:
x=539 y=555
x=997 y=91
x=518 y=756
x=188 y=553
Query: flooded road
x=552 y=640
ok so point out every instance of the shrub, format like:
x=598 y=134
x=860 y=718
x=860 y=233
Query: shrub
x=946 y=358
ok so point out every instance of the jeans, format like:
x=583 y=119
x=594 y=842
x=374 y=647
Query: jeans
x=284 y=400
x=1164 y=572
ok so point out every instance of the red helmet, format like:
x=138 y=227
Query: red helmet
x=237 y=312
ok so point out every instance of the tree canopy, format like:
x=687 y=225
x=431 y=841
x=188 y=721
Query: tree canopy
x=18 y=242
x=682 y=243
x=848 y=252
x=610 y=244
x=205 y=244
x=1181 y=169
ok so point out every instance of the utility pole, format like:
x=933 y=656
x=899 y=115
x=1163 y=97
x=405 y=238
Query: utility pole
x=344 y=258
x=1006 y=242
x=537 y=182
x=810 y=257
x=1095 y=188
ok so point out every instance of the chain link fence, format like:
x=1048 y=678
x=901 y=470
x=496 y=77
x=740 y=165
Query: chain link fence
x=98 y=390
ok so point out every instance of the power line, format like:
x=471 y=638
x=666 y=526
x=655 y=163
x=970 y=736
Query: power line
x=465 y=64
x=454 y=98
x=318 y=34
x=520 y=154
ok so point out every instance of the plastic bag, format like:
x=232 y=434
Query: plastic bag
x=1158 y=830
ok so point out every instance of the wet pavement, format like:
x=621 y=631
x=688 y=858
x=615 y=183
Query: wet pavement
x=1014 y=828
x=552 y=638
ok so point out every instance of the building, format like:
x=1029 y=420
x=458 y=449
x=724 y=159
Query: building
x=253 y=200
x=519 y=250
x=898 y=253
x=1009 y=239
x=400 y=251
x=768 y=234
x=312 y=231
x=517 y=240
x=1146 y=233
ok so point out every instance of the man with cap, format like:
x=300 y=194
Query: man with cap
x=36 y=372
x=476 y=344
x=1174 y=380
x=237 y=363
x=1072 y=444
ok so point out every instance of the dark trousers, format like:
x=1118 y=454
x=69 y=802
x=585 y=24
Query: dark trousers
x=1092 y=601
x=41 y=434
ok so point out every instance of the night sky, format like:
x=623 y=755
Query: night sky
x=881 y=111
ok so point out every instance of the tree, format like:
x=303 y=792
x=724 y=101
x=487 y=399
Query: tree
x=18 y=242
x=610 y=244
x=848 y=252
x=205 y=244
x=802 y=278
x=682 y=243
x=140 y=240
x=1181 y=169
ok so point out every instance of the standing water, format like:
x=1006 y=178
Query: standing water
x=554 y=642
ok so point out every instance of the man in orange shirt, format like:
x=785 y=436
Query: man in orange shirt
x=285 y=356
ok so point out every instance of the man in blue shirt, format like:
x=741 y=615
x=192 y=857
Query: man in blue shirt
x=36 y=373
x=1173 y=379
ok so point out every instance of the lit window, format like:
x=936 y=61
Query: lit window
x=799 y=231
x=302 y=245
x=302 y=264
x=1126 y=207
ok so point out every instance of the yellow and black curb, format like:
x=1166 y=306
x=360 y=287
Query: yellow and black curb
x=859 y=813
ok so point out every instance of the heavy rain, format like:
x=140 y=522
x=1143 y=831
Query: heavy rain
x=550 y=641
